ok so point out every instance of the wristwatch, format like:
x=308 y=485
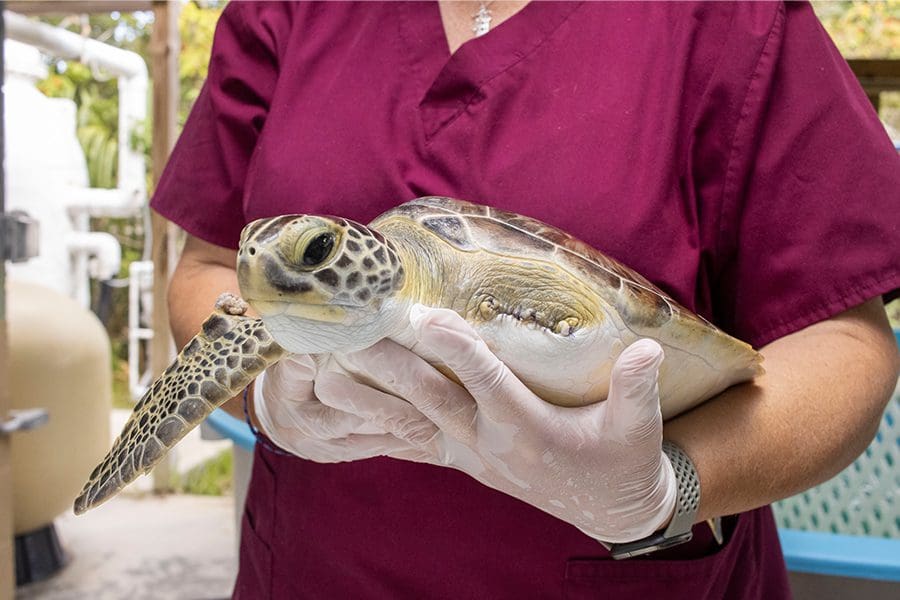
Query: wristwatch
x=687 y=503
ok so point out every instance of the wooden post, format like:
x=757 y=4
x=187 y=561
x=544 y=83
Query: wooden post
x=7 y=577
x=164 y=47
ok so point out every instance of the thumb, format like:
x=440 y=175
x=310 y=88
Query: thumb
x=300 y=367
x=291 y=378
x=633 y=411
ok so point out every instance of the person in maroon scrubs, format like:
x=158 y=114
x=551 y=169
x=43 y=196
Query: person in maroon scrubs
x=723 y=150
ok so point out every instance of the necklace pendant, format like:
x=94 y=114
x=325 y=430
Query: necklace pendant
x=482 y=21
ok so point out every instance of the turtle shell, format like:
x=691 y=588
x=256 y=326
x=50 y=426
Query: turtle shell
x=473 y=227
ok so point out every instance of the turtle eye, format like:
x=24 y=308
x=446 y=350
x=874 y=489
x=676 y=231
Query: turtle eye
x=318 y=249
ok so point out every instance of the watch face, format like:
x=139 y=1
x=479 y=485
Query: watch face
x=655 y=542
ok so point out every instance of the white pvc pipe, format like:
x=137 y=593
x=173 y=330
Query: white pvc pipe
x=140 y=277
x=102 y=247
x=99 y=252
x=100 y=202
x=132 y=115
x=66 y=44
x=131 y=71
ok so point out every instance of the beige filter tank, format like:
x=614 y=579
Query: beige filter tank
x=59 y=359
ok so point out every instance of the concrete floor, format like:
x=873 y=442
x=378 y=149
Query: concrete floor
x=140 y=546
x=820 y=587
x=174 y=547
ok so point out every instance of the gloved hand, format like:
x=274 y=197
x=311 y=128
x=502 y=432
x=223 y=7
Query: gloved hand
x=598 y=467
x=290 y=415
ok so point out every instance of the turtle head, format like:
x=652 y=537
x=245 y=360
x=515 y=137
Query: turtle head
x=326 y=281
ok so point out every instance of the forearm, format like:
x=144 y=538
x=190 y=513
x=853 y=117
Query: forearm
x=197 y=281
x=816 y=409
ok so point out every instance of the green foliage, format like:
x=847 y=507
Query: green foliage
x=96 y=117
x=212 y=478
x=97 y=97
x=862 y=29
x=196 y=24
x=121 y=394
x=96 y=94
x=893 y=311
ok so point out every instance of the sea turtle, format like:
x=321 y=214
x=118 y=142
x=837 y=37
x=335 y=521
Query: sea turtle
x=554 y=309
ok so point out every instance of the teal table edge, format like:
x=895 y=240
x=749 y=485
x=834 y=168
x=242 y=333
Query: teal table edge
x=234 y=429
x=841 y=555
x=804 y=551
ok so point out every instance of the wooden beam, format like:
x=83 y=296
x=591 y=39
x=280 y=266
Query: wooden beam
x=63 y=7
x=883 y=69
x=876 y=75
x=164 y=47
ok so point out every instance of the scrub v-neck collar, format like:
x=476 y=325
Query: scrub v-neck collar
x=447 y=84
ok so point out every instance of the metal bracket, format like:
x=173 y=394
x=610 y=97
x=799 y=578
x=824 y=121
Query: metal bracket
x=24 y=420
x=18 y=236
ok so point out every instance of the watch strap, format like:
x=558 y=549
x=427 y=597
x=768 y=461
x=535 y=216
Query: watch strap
x=687 y=504
x=687 y=500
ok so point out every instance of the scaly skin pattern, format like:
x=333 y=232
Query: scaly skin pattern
x=219 y=362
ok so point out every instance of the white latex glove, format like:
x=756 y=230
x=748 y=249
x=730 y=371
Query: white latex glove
x=290 y=415
x=599 y=467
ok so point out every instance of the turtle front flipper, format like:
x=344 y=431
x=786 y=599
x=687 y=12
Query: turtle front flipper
x=220 y=361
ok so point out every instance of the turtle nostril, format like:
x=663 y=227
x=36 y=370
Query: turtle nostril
x=252 y=251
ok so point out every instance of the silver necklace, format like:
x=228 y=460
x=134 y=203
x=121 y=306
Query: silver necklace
x=481 y=21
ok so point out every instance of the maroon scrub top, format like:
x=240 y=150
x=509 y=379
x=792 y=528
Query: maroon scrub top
x=723 y=150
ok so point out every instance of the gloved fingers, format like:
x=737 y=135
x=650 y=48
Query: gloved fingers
x=495 y=388
x=287 y=381
x=632 y=412
x=368 y=427
x=385 y=411
x=304 y=365
x=305 y=418
x=406 y=375
x=295 y=368
x=327 y=423
x=413 y=455
x=352 y=447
